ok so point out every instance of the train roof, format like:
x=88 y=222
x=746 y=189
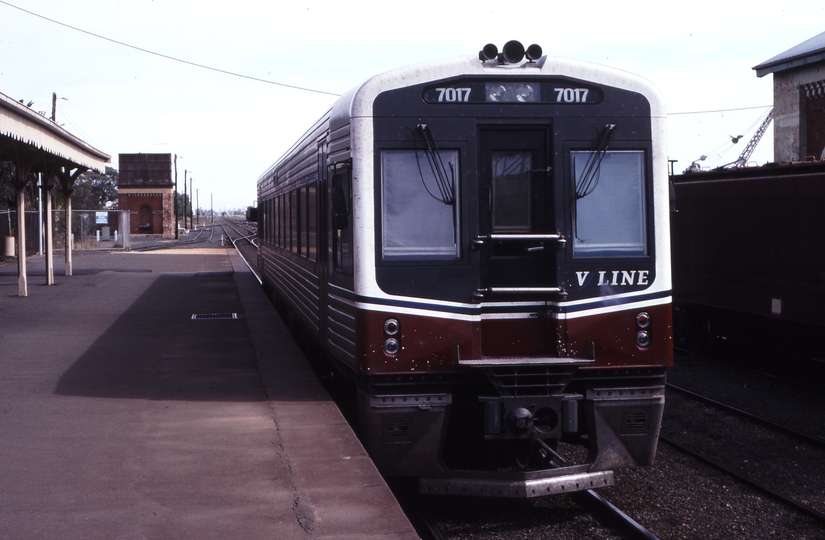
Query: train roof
x=358 y=101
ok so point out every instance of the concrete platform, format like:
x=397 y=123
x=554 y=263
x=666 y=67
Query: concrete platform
x=121 y=417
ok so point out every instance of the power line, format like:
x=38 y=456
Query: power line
x=233 y=74
x=167 y=56
x=717 y=110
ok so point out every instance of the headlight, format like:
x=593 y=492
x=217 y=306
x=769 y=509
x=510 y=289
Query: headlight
x=392 y=346
x=643 y=339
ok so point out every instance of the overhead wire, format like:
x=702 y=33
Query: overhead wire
x=716 y=110
x=718 y=153
x=249 y=77
x=61 y=109
x=166 y=56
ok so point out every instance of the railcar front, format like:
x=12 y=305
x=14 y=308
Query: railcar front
x=511 y=272
x=495 y=272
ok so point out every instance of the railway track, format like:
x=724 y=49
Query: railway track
x=200 y=238
x=440 y=518
x=812 y=439
x=241 y=231
x=611 y=514
x=777 y=460
x=243 y=239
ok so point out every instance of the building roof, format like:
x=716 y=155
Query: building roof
x=24 y=126
x=807 y=52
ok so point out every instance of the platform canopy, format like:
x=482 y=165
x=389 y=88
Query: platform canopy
x=26 y=133
x=36 y=144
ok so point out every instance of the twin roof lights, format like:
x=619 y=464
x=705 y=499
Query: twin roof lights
x=512 y=53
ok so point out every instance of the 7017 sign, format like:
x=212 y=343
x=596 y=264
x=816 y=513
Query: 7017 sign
x=571 y=95
x=453 y=95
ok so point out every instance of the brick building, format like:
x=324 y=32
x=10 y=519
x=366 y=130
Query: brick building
x=146 y=189
x=798 y=100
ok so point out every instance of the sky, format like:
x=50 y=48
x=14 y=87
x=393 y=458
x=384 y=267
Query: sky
x=134 y=87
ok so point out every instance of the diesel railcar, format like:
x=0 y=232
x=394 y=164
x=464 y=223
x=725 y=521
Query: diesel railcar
x=481 y=246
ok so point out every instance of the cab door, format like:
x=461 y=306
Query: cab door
x=518 y=241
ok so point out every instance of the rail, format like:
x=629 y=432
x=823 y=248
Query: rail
x=787 y=500
x=607 y=511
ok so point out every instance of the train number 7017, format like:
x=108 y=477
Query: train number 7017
x=453 y=95
x=571 y=95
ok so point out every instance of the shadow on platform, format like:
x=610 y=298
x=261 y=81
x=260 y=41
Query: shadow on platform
x=156 y=350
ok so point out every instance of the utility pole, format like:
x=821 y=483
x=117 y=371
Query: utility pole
x=176 y=197
x=191 y=193
x=184 y=199
x=54 y=106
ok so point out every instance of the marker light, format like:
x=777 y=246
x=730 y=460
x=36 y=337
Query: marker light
x=391 y=327
x=643 y=319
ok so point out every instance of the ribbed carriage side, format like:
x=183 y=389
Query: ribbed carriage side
x=340 y=309
x=291 y=265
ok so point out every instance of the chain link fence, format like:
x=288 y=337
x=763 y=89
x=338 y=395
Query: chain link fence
x=91 y=230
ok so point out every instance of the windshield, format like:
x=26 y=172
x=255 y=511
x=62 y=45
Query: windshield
x=416 y=221
x=610 y=215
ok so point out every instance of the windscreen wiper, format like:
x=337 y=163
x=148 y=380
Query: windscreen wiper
x=444 y=180
x=587 y=182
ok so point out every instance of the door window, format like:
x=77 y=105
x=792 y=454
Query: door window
x=511 y=190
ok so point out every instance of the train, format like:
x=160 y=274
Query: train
x=748 y=261
x=480 y=247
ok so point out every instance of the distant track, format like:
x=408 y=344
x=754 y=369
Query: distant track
x=179 y=243
x=789 y=500
x=761 y=487
x=817 y=441
x=237 y=237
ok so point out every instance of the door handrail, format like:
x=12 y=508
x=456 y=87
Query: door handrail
x=479 y=294
x=520 y=237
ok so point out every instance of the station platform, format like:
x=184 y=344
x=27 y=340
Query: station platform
x=158 y=395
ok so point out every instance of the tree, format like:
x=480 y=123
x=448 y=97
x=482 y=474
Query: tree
x=95 y=191
x=7 y=192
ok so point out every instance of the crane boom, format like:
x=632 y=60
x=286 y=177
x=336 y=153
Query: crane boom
x=746 y=153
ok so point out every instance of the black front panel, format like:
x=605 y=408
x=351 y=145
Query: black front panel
x=455 y=134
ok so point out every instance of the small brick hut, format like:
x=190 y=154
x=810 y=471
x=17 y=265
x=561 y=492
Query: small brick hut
x=146 y=189
x=798 y=100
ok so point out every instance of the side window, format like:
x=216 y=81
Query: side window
x=311 y=222
x=610 y=212
x=270 y=221
x=281 y=221
x=295 y=218
x=419 y=205
x=266 y=220
x=341 y=210
x=276 y=225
